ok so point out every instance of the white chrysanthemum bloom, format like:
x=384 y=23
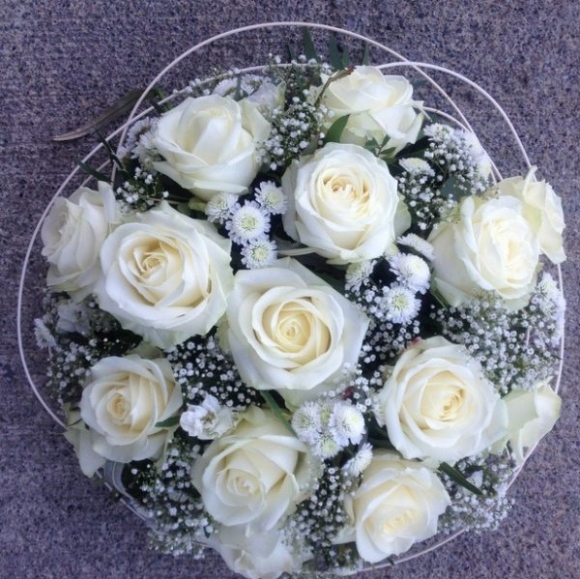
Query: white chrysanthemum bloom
x=219 y=207
x=357 y=464
x=358 y=272
x=208 y=420
x=248 y=223
x=271 y=198
x=417 y=243
x=412 y=271
x=306 y=422
x=347 y=424
x=326 y=446
x=400 y=304
x=416 y=166
x=259 y=253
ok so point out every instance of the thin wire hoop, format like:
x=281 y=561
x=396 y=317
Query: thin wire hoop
x=420 y=68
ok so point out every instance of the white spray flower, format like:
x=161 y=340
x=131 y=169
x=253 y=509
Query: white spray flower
x=412 y=271
x=400 y=305
x=346 y=424
x=248 y=223
x=271 y=198
x=208 y=420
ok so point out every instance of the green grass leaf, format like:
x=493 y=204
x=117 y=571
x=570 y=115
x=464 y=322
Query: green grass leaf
x=457 y=476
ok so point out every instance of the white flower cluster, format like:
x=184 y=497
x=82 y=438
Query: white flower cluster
x=329 y=426
x=327 y=409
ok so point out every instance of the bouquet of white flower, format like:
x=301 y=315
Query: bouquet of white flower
x=304 y=322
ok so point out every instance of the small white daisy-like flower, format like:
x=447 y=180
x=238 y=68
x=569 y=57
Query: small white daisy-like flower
x=548 y=287
x=248 y=223
x=271 y=198
x=416 y=166
x=400 y=305
x=347 y=424
x=259 y=253
x=417 y=243
x=326 y=446
x=358 y=272
x=140 y=142
x=44 y=337
x=359 y=462
x=219 y=207
x=411 y=271
x=306 y=422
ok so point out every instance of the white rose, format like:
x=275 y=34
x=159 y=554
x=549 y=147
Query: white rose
x=397 y=504
x=124 y=399
x=290 y=331
x=343 y=203
x=543 y=210
x=531 y=415
x=437 y=403
x=259 y=555
x=209 y=144
x=72 y=233
x=254 y=476
x=379 y=106
x=488 y=247
x=165 y=277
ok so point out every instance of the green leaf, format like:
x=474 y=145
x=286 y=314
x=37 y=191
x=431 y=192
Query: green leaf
x=170 y=422
x=309 y=48
x=275 y=408
x=335 y=132
x=118 y=109
x=338 y=58
x=93 y=173
x=456 y=475
x=366 y=55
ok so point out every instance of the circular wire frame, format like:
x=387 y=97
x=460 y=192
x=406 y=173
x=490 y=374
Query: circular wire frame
x=423 y=69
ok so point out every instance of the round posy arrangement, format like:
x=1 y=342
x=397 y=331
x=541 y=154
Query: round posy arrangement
x=306 y=323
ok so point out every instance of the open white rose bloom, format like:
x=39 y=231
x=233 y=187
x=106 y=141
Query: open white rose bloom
x=307 y=323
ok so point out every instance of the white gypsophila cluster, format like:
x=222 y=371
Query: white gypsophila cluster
x=328 y=426
x=200 y=367
x=140 y=193
x=177 y=520
x=459 y=154
x=551 y=300
x=515 y=348
x=322 y=516
x=411 y=271
x=491 y=475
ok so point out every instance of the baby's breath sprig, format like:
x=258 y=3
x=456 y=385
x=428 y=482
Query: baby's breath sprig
x=201 y=367
x=491 y=474
x=175 y=511
x=515 y=348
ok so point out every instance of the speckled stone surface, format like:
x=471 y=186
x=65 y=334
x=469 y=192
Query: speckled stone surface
x=63 y=61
